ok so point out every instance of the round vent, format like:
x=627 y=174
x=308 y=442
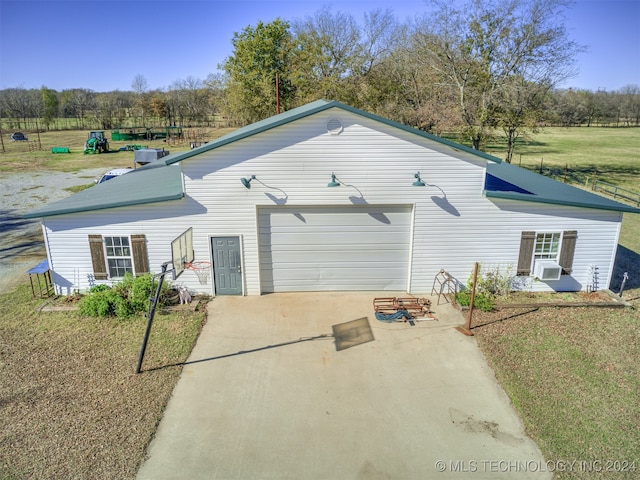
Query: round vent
x=334 y=126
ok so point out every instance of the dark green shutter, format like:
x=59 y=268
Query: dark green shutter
x=567 y=250
x=140 y=258
x=97 y=257
x=527 y=242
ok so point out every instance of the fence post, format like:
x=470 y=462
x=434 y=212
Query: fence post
x=595 y=175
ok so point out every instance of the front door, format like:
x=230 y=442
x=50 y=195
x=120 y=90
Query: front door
x=226 y=265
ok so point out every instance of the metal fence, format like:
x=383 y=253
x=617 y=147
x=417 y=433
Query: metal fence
x=590 y=182
x=618 y=193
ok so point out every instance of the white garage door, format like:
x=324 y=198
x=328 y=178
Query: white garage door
x=334 y=248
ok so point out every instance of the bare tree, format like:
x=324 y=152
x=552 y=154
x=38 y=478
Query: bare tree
x=140 y=86
x=77 y=103
x=481 y=46
x=20 y=104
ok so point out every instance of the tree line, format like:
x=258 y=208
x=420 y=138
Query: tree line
x=476 y=68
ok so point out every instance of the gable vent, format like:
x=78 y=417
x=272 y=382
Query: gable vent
x=334 y=126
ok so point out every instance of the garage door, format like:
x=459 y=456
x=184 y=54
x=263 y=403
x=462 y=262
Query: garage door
x=334 y=248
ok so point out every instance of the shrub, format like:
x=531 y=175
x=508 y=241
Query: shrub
x=99 y=303
x=482 y=301
x=124 y=299
x=492 y=282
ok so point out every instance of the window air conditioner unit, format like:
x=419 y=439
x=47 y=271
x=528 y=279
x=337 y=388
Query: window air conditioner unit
x=547 y=270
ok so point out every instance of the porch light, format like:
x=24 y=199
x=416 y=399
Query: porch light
x=418 y=182
x=333 y=182
x=247 y=181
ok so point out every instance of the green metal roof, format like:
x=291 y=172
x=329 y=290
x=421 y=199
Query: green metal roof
x=305 y=111
x=543 y=189
x=144 y=185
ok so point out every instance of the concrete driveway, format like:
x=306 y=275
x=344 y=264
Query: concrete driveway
x=266 y=395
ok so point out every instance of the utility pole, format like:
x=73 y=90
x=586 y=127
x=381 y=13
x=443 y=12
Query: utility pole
x=277 y=94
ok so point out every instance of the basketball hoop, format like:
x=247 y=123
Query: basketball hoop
x=201 y=269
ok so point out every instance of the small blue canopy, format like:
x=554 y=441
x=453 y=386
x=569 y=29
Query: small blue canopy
x=42 y=267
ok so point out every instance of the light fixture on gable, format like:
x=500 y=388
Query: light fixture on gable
x=247 y=181
x=418 y=182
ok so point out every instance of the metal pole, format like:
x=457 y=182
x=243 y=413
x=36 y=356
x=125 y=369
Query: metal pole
x=624 y=280
x=150 y=314
x=466 y=329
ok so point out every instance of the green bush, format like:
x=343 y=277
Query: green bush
x=482 y=301
x=126 y=298
x=100 y=303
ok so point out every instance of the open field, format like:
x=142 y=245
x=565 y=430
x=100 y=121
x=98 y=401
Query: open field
x=613 y=152
x=71 y=406
x=21 y=156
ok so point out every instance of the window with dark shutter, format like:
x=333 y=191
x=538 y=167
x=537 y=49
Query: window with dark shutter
x=97 y=257
x=567 y=251
x=140 y=258
x=527 y=242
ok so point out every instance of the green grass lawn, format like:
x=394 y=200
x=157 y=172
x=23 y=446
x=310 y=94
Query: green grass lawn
x=71 y=405
x=573 y=376
x=613 y=152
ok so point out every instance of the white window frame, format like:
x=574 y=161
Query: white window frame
x=111 y=254
x=546 y=244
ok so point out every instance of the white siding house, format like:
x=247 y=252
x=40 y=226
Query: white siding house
x=328 y=197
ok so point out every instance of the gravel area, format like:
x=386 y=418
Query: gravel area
x=21 y=242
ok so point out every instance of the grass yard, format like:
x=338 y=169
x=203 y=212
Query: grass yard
x=71 y=405
x=573 y=376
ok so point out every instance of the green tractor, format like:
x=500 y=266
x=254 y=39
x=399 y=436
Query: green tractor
x=96 y=143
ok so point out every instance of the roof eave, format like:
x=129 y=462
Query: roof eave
x=537 y=199
x=105 y=206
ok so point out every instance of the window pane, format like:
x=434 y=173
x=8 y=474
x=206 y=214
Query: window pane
x=119 y=266
x=547 y=245
x=119 y=259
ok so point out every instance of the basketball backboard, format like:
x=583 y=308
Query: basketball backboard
x=182 y=251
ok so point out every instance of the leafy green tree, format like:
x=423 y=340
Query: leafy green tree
x=50 y=105
x=261 y=57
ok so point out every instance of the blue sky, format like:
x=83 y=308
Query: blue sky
x=103 y=44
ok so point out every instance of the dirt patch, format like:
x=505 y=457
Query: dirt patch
x=21 y=240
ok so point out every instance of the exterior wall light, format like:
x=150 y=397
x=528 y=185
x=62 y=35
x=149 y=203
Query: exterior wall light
x=333 y=182
x=247 y=181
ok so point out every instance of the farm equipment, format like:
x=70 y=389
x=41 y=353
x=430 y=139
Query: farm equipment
x=96 y=143
x=392 y=309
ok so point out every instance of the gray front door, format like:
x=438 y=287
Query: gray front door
x=226 y=265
